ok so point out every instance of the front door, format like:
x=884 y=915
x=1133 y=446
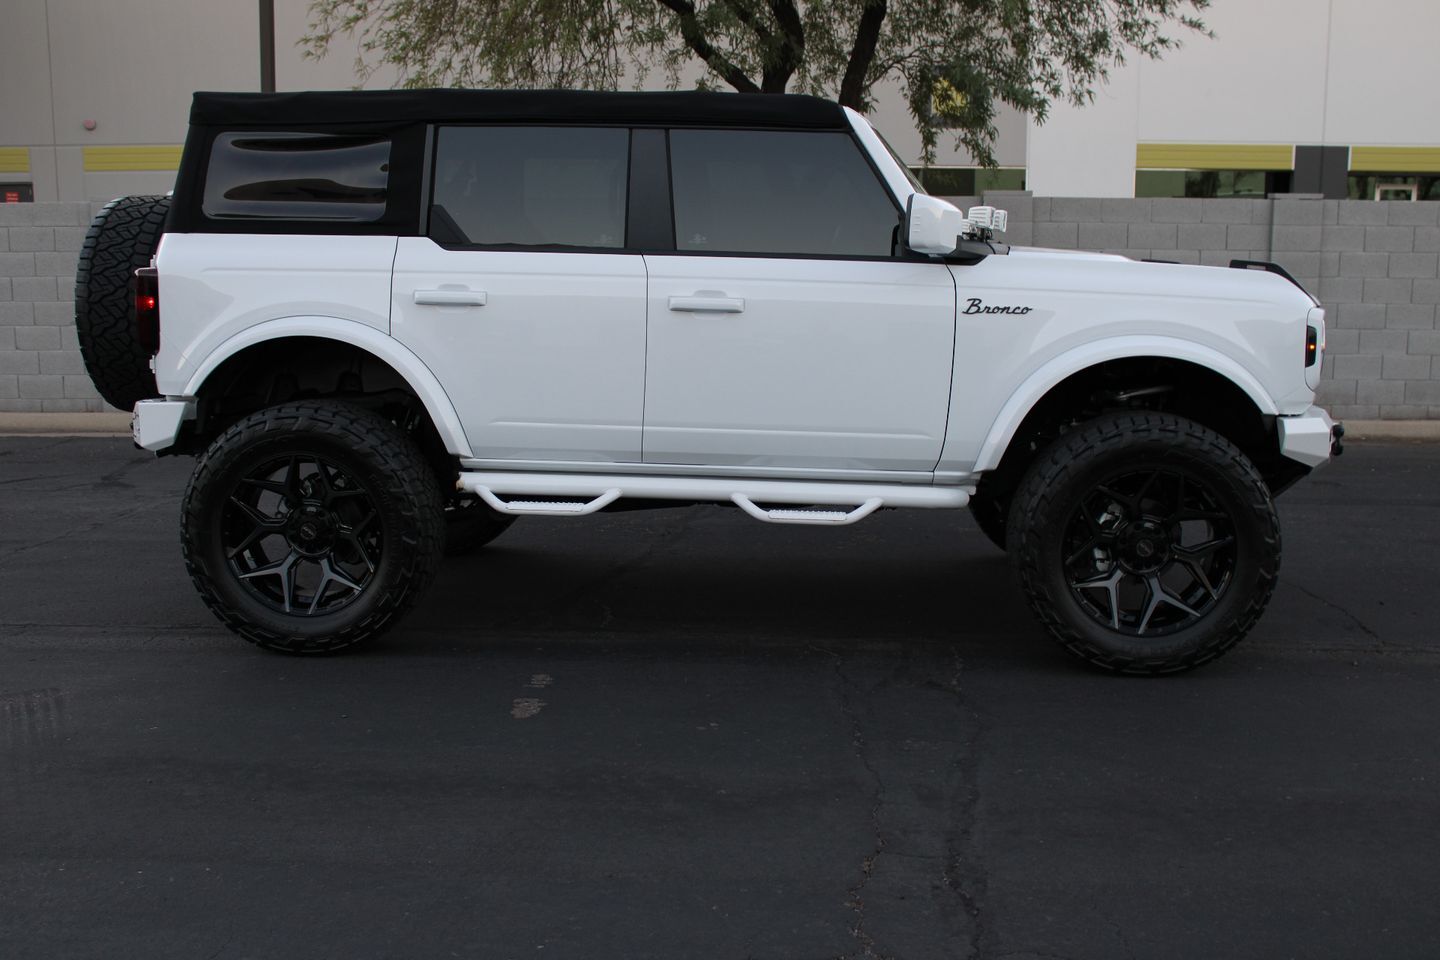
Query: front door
x=784 y=334
x=523 y=300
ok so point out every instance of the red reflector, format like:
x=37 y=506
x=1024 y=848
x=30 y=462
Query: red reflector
x=144 y=302
x=147 y=310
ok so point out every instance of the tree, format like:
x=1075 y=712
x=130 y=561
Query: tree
x=956 y=60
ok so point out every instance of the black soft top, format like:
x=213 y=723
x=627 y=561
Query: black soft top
x=352 y=107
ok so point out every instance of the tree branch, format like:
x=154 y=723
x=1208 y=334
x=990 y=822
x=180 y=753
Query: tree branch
x=862 y=54
x=694 y=36
x=788 y=55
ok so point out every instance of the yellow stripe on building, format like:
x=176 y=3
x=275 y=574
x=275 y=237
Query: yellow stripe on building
x=1214 y=156
x=1396 y=159
x=14 y=159
x=112 y=159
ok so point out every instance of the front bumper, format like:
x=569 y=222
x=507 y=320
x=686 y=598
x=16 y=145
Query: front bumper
x=1310 y=438
x=155 y=424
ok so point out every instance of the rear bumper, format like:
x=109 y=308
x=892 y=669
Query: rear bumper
x=1310 y=438
x=155 y=424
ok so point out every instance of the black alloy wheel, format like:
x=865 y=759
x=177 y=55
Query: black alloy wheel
x=311 y=526
x=1145 y=543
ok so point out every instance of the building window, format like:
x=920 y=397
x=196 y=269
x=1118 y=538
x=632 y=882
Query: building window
x=1211 y=183
x=968 y=181
x=1394 y=186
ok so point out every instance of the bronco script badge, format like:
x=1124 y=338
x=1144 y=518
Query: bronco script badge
x=975 y=305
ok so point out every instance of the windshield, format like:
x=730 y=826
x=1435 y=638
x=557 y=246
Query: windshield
x=919 y=188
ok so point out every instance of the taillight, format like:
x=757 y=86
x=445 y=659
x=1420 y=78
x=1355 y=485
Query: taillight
x=147 y=309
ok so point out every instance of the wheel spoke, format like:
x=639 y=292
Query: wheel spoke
x=1110 y=583
x=354 y=540
x=1201 y=550
x=1158 y=595
x=1085 y=548
x=1198 y=572
x=292 y=479
x=329 y=575
x=284 y=569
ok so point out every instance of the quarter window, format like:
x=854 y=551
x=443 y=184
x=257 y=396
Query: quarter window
x=778 y=192
x=297 y=176
x=531 y=186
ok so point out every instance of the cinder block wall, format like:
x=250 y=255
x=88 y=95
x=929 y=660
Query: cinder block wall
x=1373 y=265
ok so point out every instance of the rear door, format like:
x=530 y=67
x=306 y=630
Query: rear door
x=786 y=333
x=524 y=298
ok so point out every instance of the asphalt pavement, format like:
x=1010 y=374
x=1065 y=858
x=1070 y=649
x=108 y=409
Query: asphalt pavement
x=683 y=733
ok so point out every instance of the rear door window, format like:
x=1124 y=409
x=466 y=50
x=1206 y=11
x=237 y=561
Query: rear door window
x=531 y=186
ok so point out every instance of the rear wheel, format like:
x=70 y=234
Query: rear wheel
x=310 y=527
x=1145 y=543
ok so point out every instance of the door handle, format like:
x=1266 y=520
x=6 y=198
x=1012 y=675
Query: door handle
x=707 y=304
x=451 y=298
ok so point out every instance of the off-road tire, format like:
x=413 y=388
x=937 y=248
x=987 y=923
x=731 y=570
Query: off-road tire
x=122 y=238
x=400 y=484
x=1080 y=460
x=470 y=524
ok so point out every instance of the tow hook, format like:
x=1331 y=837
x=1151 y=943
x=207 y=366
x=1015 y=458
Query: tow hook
x=1337 y=433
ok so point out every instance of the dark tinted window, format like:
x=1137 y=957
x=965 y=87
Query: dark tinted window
x=297 y=176
x=743 y=191
x=532 y=185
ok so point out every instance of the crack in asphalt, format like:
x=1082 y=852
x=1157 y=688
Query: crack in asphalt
x=856 y=893
x=1326 y=601
x=962 y=875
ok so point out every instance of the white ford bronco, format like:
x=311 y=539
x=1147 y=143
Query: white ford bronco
x=389 y=323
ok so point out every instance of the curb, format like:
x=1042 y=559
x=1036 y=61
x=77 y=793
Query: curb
x=116 y=423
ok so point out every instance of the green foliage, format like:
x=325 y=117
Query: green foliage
x=957 y=60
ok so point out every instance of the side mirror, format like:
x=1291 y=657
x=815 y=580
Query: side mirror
x=932 y=225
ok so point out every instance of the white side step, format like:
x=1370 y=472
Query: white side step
x=592 y=493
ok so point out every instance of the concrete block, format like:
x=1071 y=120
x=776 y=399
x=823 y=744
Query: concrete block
x=56 y=264
x=1372 y=342
x=1329 y=212
x=56 y=313
x=35 y=288
x=1360 y=316
x=7 y=291
x=1247 y=236
x=1040 y=208
x=16 y=264
x=75 y=214
x=1364 y=264
x=1182 y=256
x=1216 y=258
x=1355 y=411
x=69 y=406
x=1304 y=267
x=1103 y=236
x=1381 y=239
x=1201 y=236
x=1357 y=367
x=7 y=337
x=1342 y=238
x=80 y=386
x=65 y=362
x=1416 y=391
x=1366 y=213
x=4 y=240
x=1379 y=290
x=1410 y=316
x=32 y=238
x=1153 y=236
x=37 y=338
x=1297 y=213
x=1074 y=208
x=1406 y=411
x=69 y=238
x=42 y=387
x=1133 y=254
x=19 y=406
x=1020 y=234
x=1425 y=291
x=1061 y=235
x=16 y=313
x=1427 y=239
x=1332 y=392
x=1226 y=210
x=1296 y=238
x=9 y=388
x=1425 y=342
x=1405 y=367
x=1403 y=214
x=1380 y=391
x=69 y=338
x=1125 y=210
x=1418 y=265
x=1176 y=209
x=18 y=214
x=1338 y=341
x=1334 y=290
x=1327 y=368
x=19 y=362
x=1018 y=203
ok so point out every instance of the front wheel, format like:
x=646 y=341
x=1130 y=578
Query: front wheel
x=1145 y=543
x=309 y=527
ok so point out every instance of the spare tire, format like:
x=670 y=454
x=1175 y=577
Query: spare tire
x=122 y=238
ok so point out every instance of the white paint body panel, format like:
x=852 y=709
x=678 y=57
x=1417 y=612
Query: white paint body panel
x=551 y=366
x=832 y=364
